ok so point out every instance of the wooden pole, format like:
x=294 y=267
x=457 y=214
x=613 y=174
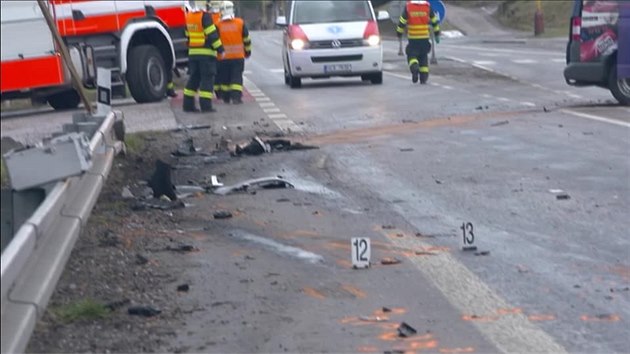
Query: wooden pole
x=65 y=55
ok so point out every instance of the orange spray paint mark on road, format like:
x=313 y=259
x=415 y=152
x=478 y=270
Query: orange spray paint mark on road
x=429 y=344
x=601 y=318
x=541 y=317
x=509 y=311
x=313 y=293
x=457 y=350
x=388 y=336
x=622 y=270
x=344 y=263
x=305 y=233
x=353 y=290
x=479 y=318
x=368 y=349
x=362 y=134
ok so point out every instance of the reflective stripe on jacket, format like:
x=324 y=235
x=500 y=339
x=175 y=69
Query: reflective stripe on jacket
x=417 y=18
x=235 y=38
x=203 y=38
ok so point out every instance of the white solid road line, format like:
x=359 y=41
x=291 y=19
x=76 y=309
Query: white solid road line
x=484 y=62
x=524 y=61
x=595 y=117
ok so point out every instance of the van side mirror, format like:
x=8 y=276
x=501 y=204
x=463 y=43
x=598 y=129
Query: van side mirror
x=281 y=21
x=382 y=15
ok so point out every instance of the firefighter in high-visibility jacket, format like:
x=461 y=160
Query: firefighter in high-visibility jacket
x=204 y=44
x=417 y=16
x=214 y=7
x=238 y=46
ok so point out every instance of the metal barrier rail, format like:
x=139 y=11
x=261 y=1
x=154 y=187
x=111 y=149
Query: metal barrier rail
x=34 y=260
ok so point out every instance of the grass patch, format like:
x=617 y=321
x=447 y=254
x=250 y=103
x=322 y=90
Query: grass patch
x=135 y=143
x=86 y=309
x=519 y=14
x=4 y=175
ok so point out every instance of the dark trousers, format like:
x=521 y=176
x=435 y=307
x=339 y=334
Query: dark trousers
x=201 y=71
x=418 y=56
x=230 y=77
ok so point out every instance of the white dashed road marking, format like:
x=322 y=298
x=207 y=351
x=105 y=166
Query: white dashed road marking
x=273 y=112
x=524 y=61
x=595 y=117
x=484 y=62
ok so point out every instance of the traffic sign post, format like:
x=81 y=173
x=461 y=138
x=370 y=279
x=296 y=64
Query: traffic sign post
x=440 y=12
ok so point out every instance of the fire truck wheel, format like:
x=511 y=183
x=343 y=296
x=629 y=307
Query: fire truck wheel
x=146 y=74
x=64 y=100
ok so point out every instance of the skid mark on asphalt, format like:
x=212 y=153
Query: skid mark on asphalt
x=269 y=108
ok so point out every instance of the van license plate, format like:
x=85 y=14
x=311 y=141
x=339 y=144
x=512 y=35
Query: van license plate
x=337 y=68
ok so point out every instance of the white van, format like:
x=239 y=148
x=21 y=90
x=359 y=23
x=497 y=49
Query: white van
x=326 y=38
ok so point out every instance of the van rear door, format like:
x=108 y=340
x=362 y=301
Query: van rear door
x=623 y=53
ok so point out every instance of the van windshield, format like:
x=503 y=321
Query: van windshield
x=331 y=11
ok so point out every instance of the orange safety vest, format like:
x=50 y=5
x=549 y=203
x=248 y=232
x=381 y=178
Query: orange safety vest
x=216 y=18
x=231 y=32
x=194 y=28
x=418 y=19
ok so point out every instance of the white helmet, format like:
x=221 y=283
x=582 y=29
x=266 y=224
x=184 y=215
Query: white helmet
x=191 y=6
x=214 y=5
x=227 y=10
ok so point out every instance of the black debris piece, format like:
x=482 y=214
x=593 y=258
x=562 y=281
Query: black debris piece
x=395 y=351
x=186 y=148
x=192 y=127
x=181 y=248
x=115 y=305
x=563 y=196
x=255 y=147
x=386 y=309
x=247 y=186
x=222 y=214
x=283 y=200
x=482 y=253
x=406 y=149
x=183 y=288
x=388 y=227
x=287 y=145
x=503 y=122
x=158 y=204
x=141 y=260
x=145 y=311
x=405 y=330
x=161 y=182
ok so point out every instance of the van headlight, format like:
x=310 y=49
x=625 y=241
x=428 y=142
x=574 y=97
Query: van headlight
x=373 y=40
x=297 y=44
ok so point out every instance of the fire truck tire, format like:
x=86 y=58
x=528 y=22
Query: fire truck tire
x=146 y=74
x=64 y=100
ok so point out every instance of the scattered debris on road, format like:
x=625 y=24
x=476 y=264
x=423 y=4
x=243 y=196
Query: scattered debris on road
x=262 y=183
x=181 y=248
x=192 y=127
x=482 y=253
x=386 y=309
x=161 y=182
x=388 y=227
x=159 y=204
x=141 y=260
x=183 y=288
x=145 y=311
x=186 y=148
x=405 y=330
x=222 y=214
x=258 y=147
x=497 y=124
x=563 y=196
x=390 y=261
x=406 y=149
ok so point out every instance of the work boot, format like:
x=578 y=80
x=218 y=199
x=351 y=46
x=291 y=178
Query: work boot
x=206 y=105
x=171 y=93
x=414 y=73
x=189 y=104
x=236 y=97
x=424 y=77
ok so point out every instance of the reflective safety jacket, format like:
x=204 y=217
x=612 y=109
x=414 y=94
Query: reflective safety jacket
x=417 y=17
x=235 y=38
x=203 y=38
x=216 y=17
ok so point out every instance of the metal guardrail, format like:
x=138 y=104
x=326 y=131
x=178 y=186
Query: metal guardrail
x=34 y=260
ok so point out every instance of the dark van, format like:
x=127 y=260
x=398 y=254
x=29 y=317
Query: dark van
x=598 y=52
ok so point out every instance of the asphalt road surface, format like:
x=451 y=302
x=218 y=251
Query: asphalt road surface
x=537 y=171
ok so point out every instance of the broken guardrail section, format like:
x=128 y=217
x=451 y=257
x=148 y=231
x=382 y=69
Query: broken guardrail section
x=71 y=170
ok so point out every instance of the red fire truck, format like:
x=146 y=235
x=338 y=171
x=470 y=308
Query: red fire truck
x=140 y=41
